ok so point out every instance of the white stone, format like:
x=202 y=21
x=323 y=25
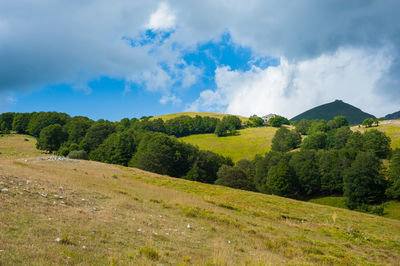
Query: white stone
x=4 y=190
x=189 y=226
x=58 y=239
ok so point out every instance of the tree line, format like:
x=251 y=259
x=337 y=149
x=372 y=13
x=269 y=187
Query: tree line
x=320 y=158
x=315 y=158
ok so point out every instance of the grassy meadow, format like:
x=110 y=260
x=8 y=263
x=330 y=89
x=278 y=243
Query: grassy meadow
x=90 y=213
x=193 y=114
x=245 y=145
x=390 y=127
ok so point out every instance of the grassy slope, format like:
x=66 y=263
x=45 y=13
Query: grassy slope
x=193 y=114
x=392 y=208
x=390 y=127
x=246 y=145
x=127 y=213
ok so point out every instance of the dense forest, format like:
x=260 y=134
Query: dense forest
x=313 y=158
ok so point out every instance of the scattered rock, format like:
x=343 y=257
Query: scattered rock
x=84 y=247
x=4 y=190
x=189 y=226
x=58 y=239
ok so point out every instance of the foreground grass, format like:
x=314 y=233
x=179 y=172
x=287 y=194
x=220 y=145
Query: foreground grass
x=390 y=127
x=245 y=145
x=193 y=114
x=110 y=214
x=16 y=146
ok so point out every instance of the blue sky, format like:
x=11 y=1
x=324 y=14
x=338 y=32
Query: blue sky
x=115 y=60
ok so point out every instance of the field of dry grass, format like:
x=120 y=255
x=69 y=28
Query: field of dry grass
x=390 y=127
x=193 y=114
x=90 y=213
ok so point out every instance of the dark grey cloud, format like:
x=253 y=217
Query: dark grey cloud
x=48 y=41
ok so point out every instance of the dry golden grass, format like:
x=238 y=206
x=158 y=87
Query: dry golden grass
x=14 y=146
x=133 y=217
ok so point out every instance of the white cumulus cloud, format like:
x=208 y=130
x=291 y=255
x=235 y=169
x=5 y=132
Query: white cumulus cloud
x=293 y=87
x=162 y=19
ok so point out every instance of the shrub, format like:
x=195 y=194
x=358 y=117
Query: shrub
x=150 y=253
x=81 y=154
x=278 y=121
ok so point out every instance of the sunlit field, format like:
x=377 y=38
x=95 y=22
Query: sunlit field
x=89 y=213
x=245 y=145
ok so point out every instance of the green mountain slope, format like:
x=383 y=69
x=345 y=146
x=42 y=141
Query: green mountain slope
x=330 y=110
x=59 y=211
x=395 y=115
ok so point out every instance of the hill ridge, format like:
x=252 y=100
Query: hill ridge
x=328 y=111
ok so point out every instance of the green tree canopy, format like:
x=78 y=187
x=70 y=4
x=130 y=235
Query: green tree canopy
x=206 y=166
x=281 y=180
x=363 y=182
x=51 y=138
x=303 y=126
x=378 y=142
x=393 y=190
x=368 y=122
x=315 y=141
x=41 y=120
x=305 y=165
x=95 y=135
x=233 y=176
x=117 y=148
x=20 y=122
x=278 y=121
x=285 y=140
x=162 y=154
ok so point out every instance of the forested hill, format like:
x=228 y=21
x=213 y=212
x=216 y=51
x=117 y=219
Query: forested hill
x=330 y=110
x=395 y=115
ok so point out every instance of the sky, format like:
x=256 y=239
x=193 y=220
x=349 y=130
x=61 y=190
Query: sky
x=114 y=59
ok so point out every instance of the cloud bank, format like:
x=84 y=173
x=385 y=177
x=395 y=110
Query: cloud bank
x=328 y=49
x=293 y=87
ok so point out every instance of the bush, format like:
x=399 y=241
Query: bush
x=81 y=154
x=278 y=121
x=368 y=122
x=150 y=253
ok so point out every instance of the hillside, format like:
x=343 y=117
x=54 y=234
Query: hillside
x=245 y=145
x=193 y=114
x=395 y=115
x=60 y=211
x=330 y=110
x=390 y=127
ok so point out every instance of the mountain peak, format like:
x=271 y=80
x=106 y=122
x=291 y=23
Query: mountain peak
x=336 y=108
